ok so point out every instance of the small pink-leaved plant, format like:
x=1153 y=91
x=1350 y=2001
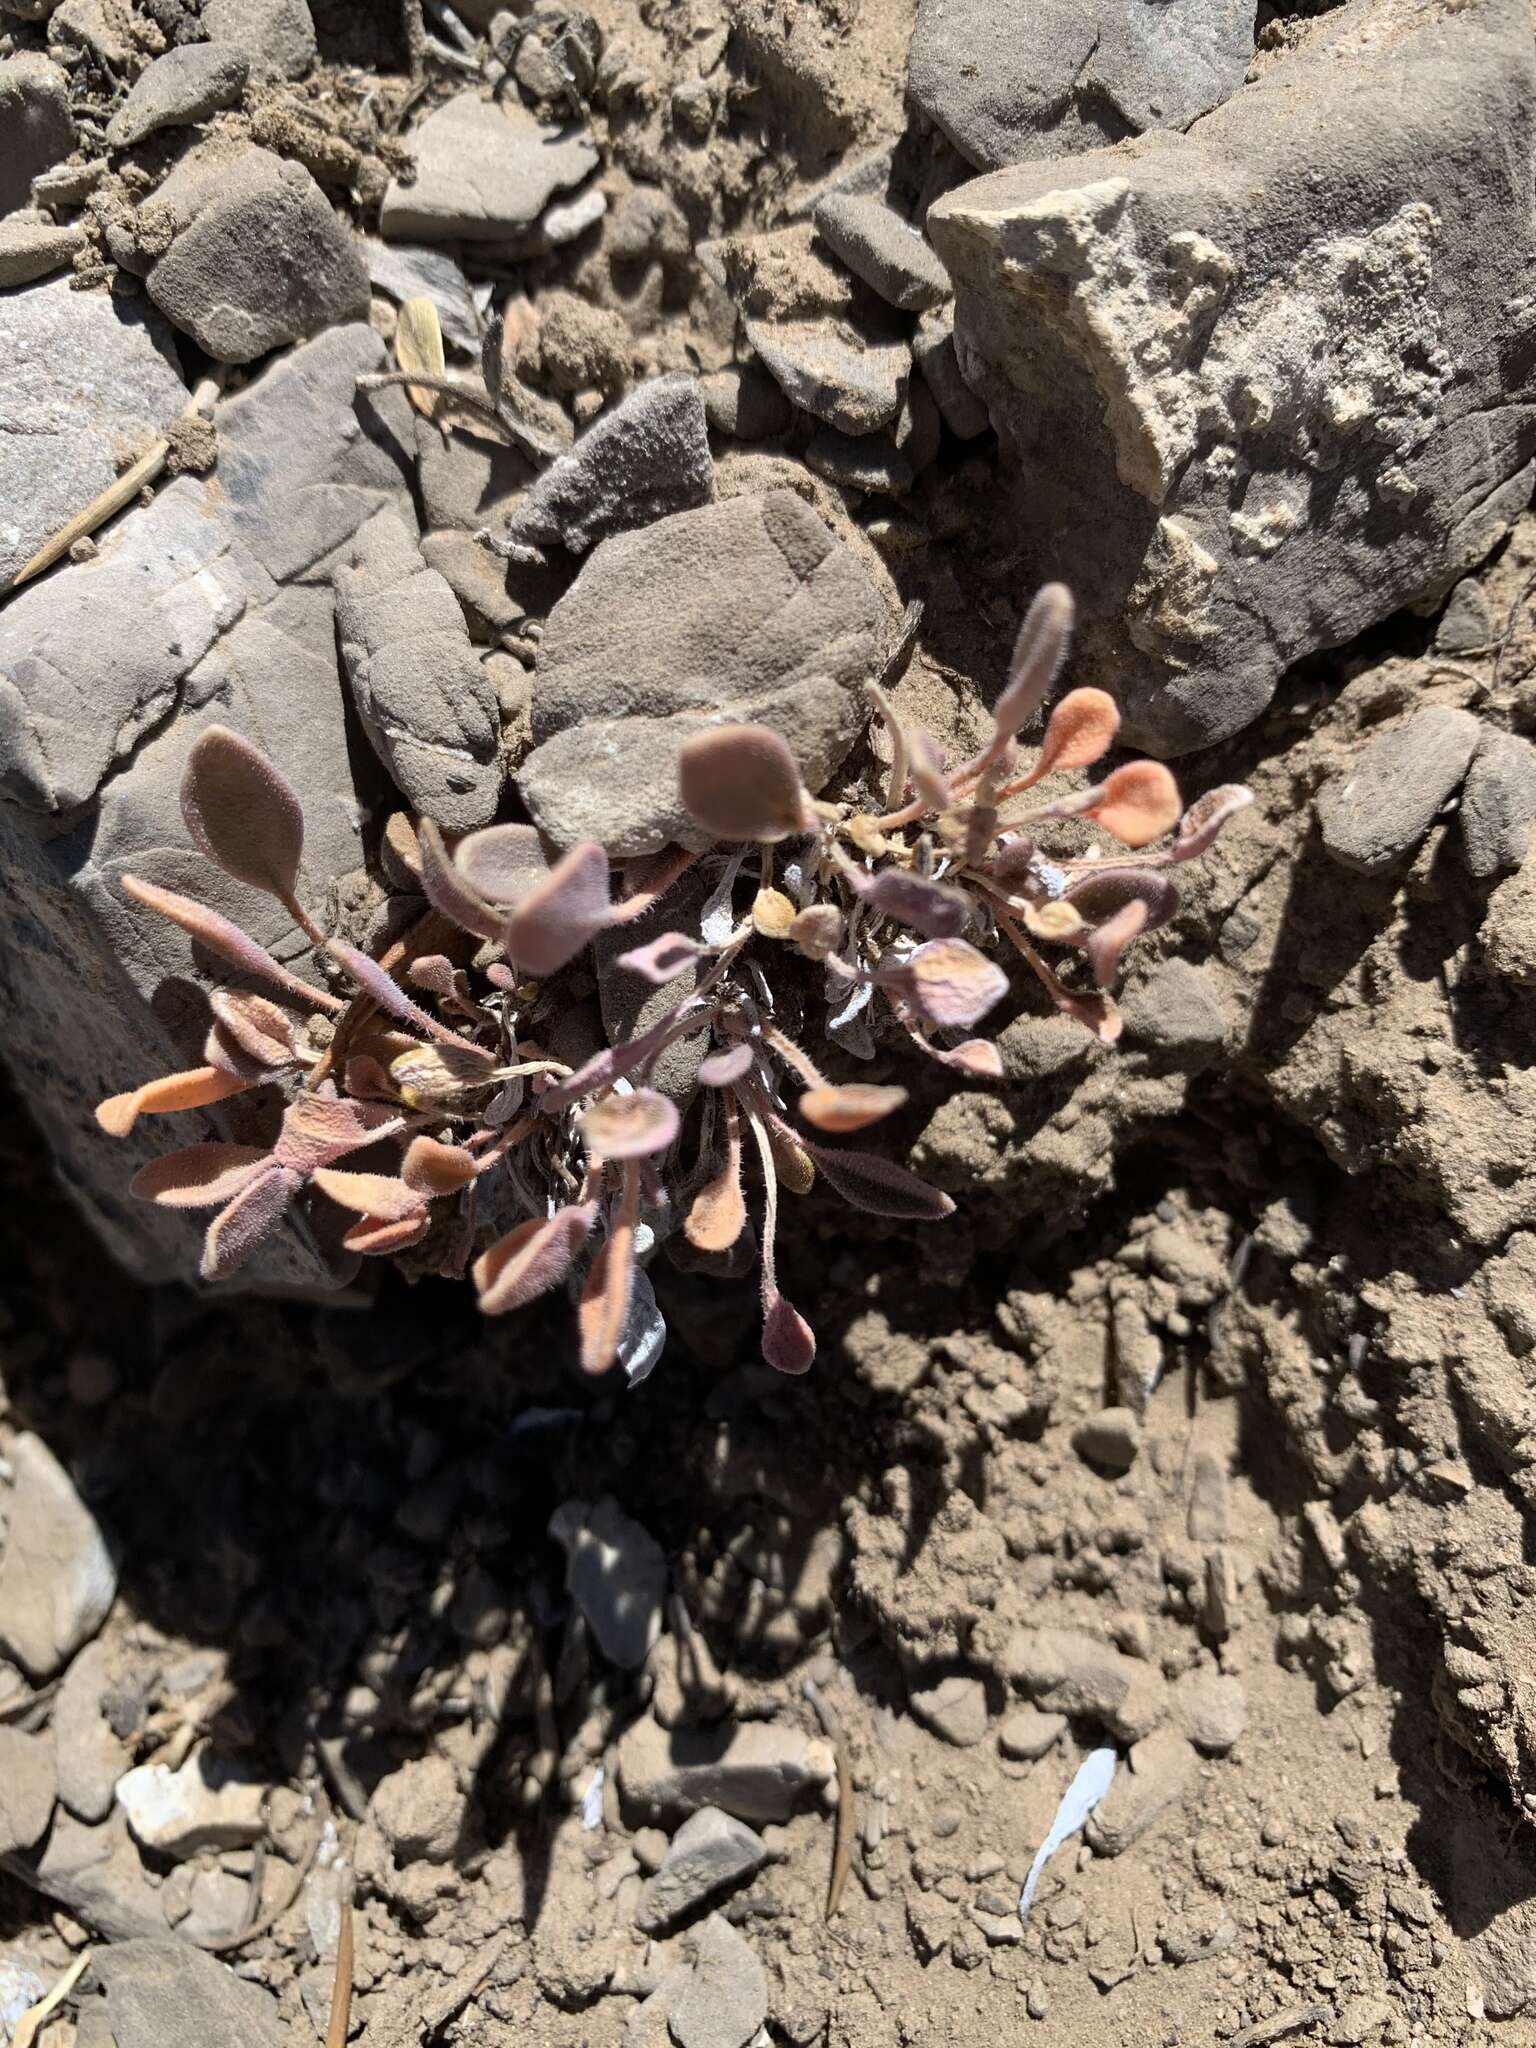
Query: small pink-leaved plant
x=881 y=900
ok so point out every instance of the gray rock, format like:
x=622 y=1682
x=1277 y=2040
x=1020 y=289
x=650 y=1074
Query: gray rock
x=91 y=1757
x=35 y=120
x=745 y=610
x=466 y=478
x=1027 y=1734
x=616 y=1572
x=410 y=270
x=423 y=698
x=1068 y=1672
x=1465 y=624
x=1212 y=1709
x=631 y=1004
x=67 y=423
x=29 y=250
x=206 y=1803
x=420 y=1810
x=1376 y=810
x=743 y=401
x=851 y=383
x=263 y=259
x=756 y=1770
x=95 y=1874
x=647 y=458
x=1112 y=1438
x=276 y=37
x=1306 y=293
x=1177 y=1011
x=1498 y=804
x=1163 y=1768
x=883 y=249
x=187 y=84
x=57 y=1575
x=919 y=429
x=167 y=1994
x=869 y=463
x=710 y=1855
x=1008 y=81
x=485 y=171
x=725 y=2000
x=27 y=1787
x=955 y=1709
x=477 y=578
x=933 y=348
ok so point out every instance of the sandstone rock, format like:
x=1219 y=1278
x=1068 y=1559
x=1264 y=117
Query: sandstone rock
x=58 y=1578
x=955 y=1709
x=744 y=402
x=467 y=481
x=616 y=1572
x=1163 y=1768
x=647 y=458
x=276 y=37
x=1498 y=804
x=1177 y=1010
x=1027 y=1734
x=1112 y=1438
x=91 y=1758
x=477 y=578
x=29 y=251
x=933 y=348
x=166 y=1994
x=755 y=1770
x=27 y=1787
x=870 y=463
x=187 y=84
x=484 y=172
x=96 y=1875
x=205 y=1804
x=1508 y=930
x=410 y=270
x=851 y=382
x=725 y=2000
x=35 y=120
x=1254 y=379
x=261 y=259
x=883 y=249
x=711 y=1854
x=69 y=426
x=420 y=1810
x=1067 y=1672
x=745 y=610
x=1212 y=1709
x=423 y=698
x=1376 y=810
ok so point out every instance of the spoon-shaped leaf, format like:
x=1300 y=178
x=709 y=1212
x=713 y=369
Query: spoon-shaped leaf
x=851 y=1107
x=378 y=1195
x=531 y=1259
x=1082 y=727
x=952 y=985
x=245 y=1223
x=235 y=947
x=560 y=914
x=1105 y=945
x=433 y=1168
x=501 y=862
x=633 y=1126
x=1138 y=803
x=1207 y=815
x=1038 y=654
x=262 y=1031
x=242 y=813
x=448 y=890
x=662 y=959
x=929 y=907
x=870 y=1181
x=742 y=782
x=194 y=1089
x=789 y=1342
x=720 y=1069
x=199 y=1176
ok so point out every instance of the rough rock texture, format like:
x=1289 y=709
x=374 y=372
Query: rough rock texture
x=616 y=1572
x=91 y=1756
x=1068 y=1672
x=165 y=1994
x=187 y=84
x=852 y=382
x=1498 y=804
x=1375 y=812
x=754 y=1770
x=645 y=459
x=742 y=401
x=28 y=251
x=711 y=1854
x=1007 y=83
x=27 y=1784
x=204 y=1804
x=424 y=699
x=35 y=121
x=725 y=2000
x=1163 y=1768
x=748 y=610
x=213 y=602
x=277 y=37
x=61 y=431
x=883 y=249
x=484 y=172
x=58 y=1577
x=420 y=1810
x=261 y=258
x=1257 y=379
x=955 y=1709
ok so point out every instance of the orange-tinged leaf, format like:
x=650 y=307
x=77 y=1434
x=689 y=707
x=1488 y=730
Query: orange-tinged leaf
x=447 y=889
x=851 y=1107
x=531 y=1259
x=242 y=812
x=720 y=1069
x=375 y=1236
x=433 y=1168
x=603 y=1309
x=1207 y=815
x=379 y=1195
x=261 y=1030
x=1082 y=728
x=742 y=782
x=633 y=1126
x=194 y=1089
x=1138 y=803
x=718 y=1213
x=198 y=1176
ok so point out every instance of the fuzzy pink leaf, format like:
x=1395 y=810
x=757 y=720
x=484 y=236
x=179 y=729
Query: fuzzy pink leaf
x=220 y=936
x=433 y=1168
x=1038 y=654
x=926 y=769
x=1101 y=892
x=368 y=1080
x=717 y=1214
x=376 y=1237
x=978 y=1056
x=951 y=985
x=870 y=1181
x=818 y=930
x=447 y=890
x=742 y=782
x=1105 y=945
x=789 y=1342
x=1207 y=815
x=720 y=1069
x=501 y=862
x=603 y=1309
x=852 y=1107
x=242 y=813
x=1138 y=803
x=432 y=972
x=663 y=959
x=633 y=1126
x=379 y=1195
x=318 y=1129
x=531 y=1259
x=1012 y=866
x=198 y=1176
x=194 y=1089
x=929 y=907
x=1082 y=727
x=261 y=1030
x=559 y=916
x=246 y=1222
x=388 y=994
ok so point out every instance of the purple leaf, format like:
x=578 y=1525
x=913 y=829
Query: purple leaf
x=1207 y=815
x=789 y=1342
x=720 y=1069
x=559 y=916
x=262 y=1031
x=1038 y=654
x=1105 y=945
x=633 y=1126
x=929 y=907
x=742 y=782
x=446 y=889
x=663 y=959
x=227 y=940
x=246 y=1222
x=950 y=984
x=242 y=814
x=1100 y=893
x=877 y=1184
x=531 y=1259
x=502 y=862
x=387 y=992
x=318 y=1129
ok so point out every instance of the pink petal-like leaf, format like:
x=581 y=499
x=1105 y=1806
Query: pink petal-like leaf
x=1105 y=945
x=1138 y=803
x=1101 y=892
x=929 y=907
x=245 y=1223
x=368 y=1080
x=634 y=1126
x=260 y=1029
x=377 y=1236
x=926 y=769
x=1038 y=654
x=818 y=930
x=1082 y=728
x=561 y=914
x=717 y=1214
x=389 y=995
x=242 y=813
x=742 y=782
x=318 y=1129
x=225 y=939
x=870 y=1181
x=432 y=972
x=720 y=1069
x=852 y=1107
x=447 y=890
x=789 y=1342
x=199 y=1176
x=433 y=1168
x=663 y=959
x=502 y=862
x=951 y=985
x=378 y=1195
x=1207 y=815
x=603 y=1310
x=194 y=1089
x=531 y=1259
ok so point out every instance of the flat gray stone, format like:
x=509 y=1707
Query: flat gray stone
x=88 y=376
x=616 y=1572
x=167 y=1994
x=420 y=691
x=849 y=383
x=1212 y=1709
x=95 y=1874
x=58 y=1577
x=745 y=610
x=1028 y=1734
x=91 y=1758
x=35 y=120
x=29 y=251
x=1177 y=1010
x=1111 y=1438
x=1069 y=1672
x=933 y=350
x=743 y=401
x=484 y=173
x=414 y=270
x=205 y=1803
x=1376 y=810
x=647 y=458
x=955 y=1709
x=263 y=259
x=711 y=1854
x=756 y=1770
x=187 y=84
x=27 y=1788
x=276 y=37
x=883 y=249
x=1498 y=804
x=725 y=2000
x=1148 y=324
x=868 y=463
x=467 y=479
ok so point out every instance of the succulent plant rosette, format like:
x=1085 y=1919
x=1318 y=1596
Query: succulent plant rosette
x=434 y=1059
